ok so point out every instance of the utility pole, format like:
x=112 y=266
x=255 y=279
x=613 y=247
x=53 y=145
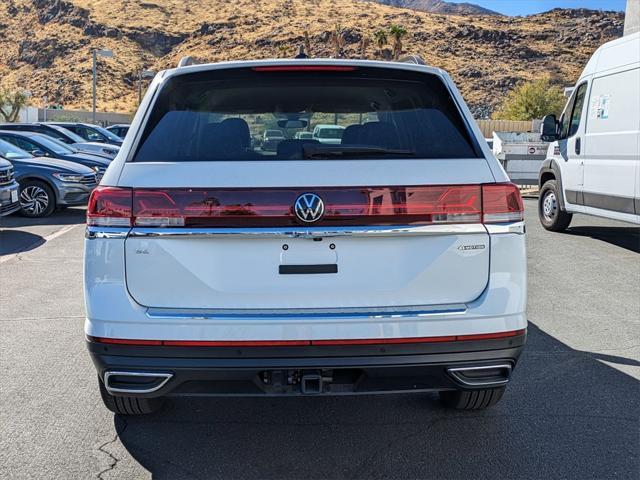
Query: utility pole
x=143 y=74
x=95 y=53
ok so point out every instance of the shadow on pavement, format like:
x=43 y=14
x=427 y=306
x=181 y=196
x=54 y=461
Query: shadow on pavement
x=625 y=237
x=68 y=216
x=14 y=241
x=565 y=415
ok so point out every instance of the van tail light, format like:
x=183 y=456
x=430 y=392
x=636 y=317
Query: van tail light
x=110 y=207
x=501 y=202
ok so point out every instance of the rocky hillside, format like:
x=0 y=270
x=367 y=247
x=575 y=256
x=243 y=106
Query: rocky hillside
x=45 y=45
x=440 y=6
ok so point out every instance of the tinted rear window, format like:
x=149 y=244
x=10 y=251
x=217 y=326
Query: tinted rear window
x=381 y=113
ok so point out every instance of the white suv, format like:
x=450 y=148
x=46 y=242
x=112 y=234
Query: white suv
x=391 y=262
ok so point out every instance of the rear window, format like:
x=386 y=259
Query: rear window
x=361 y=112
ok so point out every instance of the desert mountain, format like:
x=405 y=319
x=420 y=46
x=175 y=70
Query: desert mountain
x=439 y=6
x=45 y=45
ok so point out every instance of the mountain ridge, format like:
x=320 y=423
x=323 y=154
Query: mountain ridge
x=45 y=45
x=439 y=6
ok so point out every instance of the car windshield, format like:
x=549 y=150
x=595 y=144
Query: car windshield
x=11 y=152
x=74 y=137
x=110 y=135
x=239 y=114
x=56 y=146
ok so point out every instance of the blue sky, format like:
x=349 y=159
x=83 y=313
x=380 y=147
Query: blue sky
x=526 y=7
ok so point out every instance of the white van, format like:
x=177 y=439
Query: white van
x=593 y=162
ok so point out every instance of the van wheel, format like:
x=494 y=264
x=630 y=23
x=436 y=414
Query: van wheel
x=472 y=399
x=36 y=199
x=552 y=217
x=129 y=405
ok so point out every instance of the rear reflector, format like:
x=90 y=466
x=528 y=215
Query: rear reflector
x=274 y=207
x=300 y=343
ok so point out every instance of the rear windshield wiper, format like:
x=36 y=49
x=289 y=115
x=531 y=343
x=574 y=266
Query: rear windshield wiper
x=350 y=151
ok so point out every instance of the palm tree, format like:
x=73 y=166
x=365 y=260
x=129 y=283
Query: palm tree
x=397 y=32
x=338 y=40
x=307 y=42
x=364 y=44
x=380 y=37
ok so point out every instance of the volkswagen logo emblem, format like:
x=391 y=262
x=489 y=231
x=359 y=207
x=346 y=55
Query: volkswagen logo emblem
x=309 y=207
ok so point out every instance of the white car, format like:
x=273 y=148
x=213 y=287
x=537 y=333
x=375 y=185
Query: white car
x=395 y=263
x=593 y=161
x=331 y=134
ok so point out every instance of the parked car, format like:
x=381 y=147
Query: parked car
x=47 y=183
x=8 y=189
x=593 y=161
x=271 y=139
x=396 y=264
x=40 y=145
x=65 y=136
x=331 y=134
x=91 y=133
x=119 y=129
x=303 y=135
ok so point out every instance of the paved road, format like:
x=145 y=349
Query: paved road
x=571 y=412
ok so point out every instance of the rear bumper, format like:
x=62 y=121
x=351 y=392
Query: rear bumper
x=328 y=370
x=70 y=194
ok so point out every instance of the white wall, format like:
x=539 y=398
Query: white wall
x=632 y=17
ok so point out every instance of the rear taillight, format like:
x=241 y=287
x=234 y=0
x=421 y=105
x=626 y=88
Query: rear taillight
x=501 y=202
x=351 y=206
x=110 y=207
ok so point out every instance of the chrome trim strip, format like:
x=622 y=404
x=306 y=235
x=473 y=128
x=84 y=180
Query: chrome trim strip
x=109 y=374
x=92 y=232
x=455 y=373
x=304 y=314
x=311 y=232
x=500 y=228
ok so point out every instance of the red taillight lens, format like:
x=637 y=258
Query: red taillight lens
x=274 y=207
x=110 y=207
x=352 y=206
x=501 y=202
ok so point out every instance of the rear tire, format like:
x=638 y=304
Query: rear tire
x=472 y=399
x=552 y=217
x=129 y=405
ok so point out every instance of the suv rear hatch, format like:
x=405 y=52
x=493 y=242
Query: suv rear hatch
x=389 y=217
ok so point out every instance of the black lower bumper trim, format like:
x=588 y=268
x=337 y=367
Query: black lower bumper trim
x=335 y=370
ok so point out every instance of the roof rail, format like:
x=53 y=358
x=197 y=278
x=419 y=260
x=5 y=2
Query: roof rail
x=417 y=59
x=186 y=61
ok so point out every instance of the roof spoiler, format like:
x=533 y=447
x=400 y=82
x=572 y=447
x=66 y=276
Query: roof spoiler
x=186 y=61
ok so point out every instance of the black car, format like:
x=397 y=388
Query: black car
x=91 y=133
x=44 y=146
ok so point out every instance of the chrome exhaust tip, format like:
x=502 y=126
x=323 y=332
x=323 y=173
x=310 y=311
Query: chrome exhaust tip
x=135 y=382
x=482 y=376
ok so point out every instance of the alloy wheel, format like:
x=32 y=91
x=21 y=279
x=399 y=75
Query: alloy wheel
x=34 y=200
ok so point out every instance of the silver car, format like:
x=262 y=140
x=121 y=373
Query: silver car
x=8 y=189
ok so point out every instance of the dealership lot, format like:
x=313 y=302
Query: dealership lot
x=572 y=410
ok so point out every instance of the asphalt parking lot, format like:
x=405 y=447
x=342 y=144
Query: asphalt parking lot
x=572 y=410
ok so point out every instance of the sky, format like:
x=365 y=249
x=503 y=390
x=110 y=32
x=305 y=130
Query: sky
x=527 y=7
